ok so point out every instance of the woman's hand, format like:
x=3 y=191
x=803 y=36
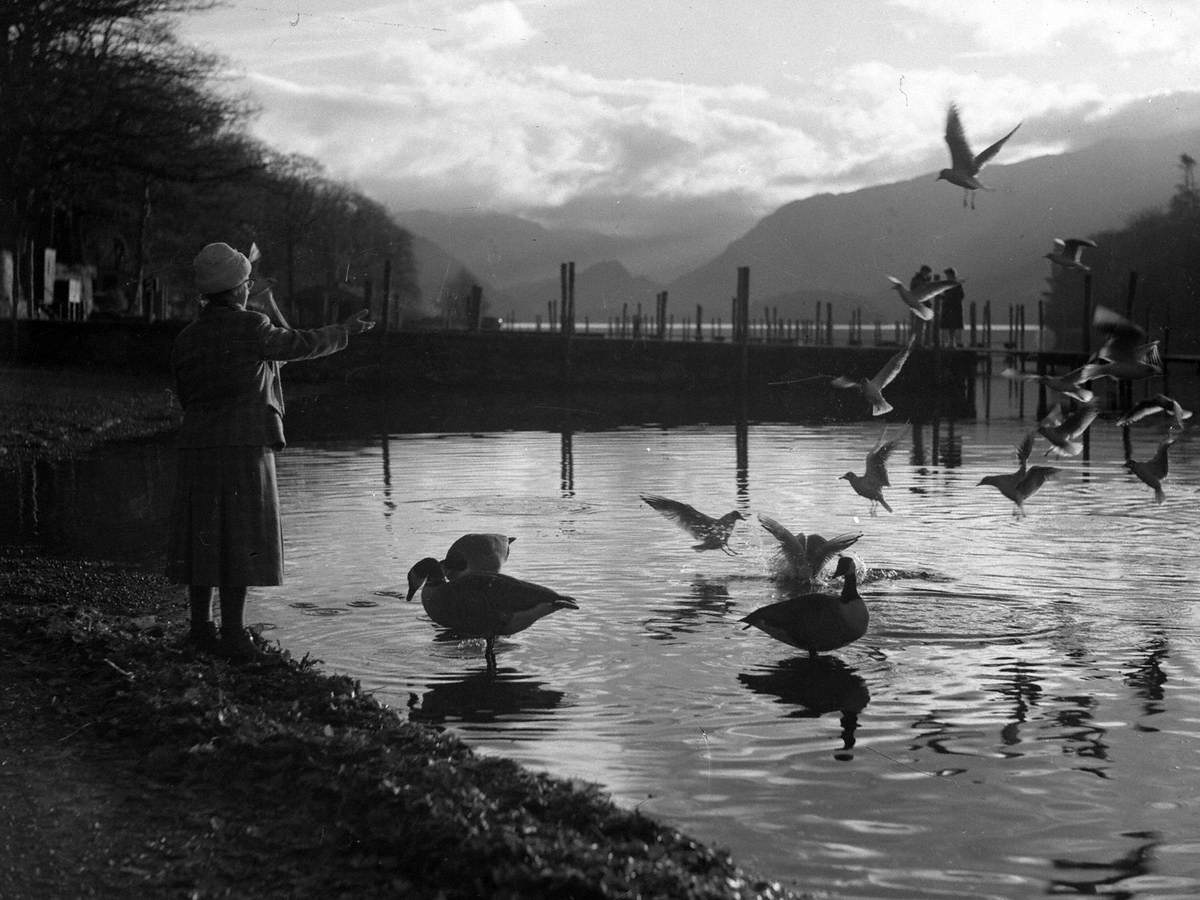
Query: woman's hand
x=359 y=323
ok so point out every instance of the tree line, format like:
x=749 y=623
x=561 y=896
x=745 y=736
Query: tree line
x=122 y=149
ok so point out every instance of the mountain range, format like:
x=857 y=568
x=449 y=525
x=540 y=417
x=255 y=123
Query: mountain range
x=832 y=247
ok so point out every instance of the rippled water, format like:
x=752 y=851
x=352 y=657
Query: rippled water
x=1022 y=718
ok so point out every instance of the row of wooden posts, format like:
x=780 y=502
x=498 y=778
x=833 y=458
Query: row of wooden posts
x=770 y=328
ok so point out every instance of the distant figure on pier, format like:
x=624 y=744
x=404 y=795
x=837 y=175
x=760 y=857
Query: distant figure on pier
x=225 y=530
x=951 y=321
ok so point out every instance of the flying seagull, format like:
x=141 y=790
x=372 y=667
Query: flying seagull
x=965 y=166
x=872 y=482
x=1065 y=432
x=1153 y=470
x=872 y=388
x=920 y=297
x=1125 y=354
x=1022 y=484
x=1066 y=253
x=713 y=534
x=1159 y=403
x=1069 y=385
x=806 y=556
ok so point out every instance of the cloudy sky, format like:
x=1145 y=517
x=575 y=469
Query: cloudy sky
x=631 y=116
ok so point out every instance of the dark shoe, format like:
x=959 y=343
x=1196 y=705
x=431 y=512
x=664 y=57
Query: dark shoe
x=238 y=647
x=202 y=638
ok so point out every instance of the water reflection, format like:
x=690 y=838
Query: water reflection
x=815 y=686
x=484 y=697
x=708 y=600
x=1110 y=876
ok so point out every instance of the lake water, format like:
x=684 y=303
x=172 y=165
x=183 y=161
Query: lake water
x=1022 y=717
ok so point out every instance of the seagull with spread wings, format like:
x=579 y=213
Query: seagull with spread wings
x=1020 y=485
x=872 y=388
x=872 y=482
x=920 y=298
x=1066 y=253
x=1159 y=403
x=1065 y=431
x=805 y=556
x=1069 y=385
x=713 y=534
x=1126 y=354
x=1153 y=470
x=965 y=165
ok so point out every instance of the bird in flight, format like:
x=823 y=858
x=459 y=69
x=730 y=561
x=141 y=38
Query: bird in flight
x=1126 y=354
x=1153 y=470
x=1159 y=403
x=964 y=165
x=872 y=388
x=1065 y=431
x=872 y=482
x=920 y=297
x=1022 y=484
x=712 y=533
x=1066 y=253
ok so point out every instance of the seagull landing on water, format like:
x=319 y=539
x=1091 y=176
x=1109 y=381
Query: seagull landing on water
x=805 y=556
x=713 y=534
x=872 y=482
x=1066 y=253
x=1160 y=403
x=1126 y=354
x=1022 y=484
x=1153 y=470
x=920 y=297
x=965 y=166
x=872 y=388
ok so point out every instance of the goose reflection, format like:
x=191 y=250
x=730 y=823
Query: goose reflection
x=815 y=686
x=484 y=697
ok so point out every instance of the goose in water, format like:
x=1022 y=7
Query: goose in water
x=872 y=482
x=1066 y=253
x=482 y=604
x=1126 y=354
x=1069 y=385
x=1154 y=470
x=713 y=534
x=872 y=388
x=964 y=165
x=1065 y=431
x=920 y=298
x=476 y=553
x=1022 y=484
x=817 y=622
x=1160 y=403
x=806 y=555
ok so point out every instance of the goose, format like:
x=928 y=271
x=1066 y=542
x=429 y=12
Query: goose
x=817 y=622
x=805 y=555
x=872 y=482
x=1066 y=253
x=1153 y=470
x=479 y=552
x=1160 y=403
x=713 y=534
x=872 y=388
x=1069 y=385
x=964 y=165
x=482 y=604
x=1126 y=354
x=919 y=298
x=1022 y=484
x=1065 y=431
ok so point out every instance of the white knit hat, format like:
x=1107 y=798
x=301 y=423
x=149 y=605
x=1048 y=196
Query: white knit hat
x=219 y=268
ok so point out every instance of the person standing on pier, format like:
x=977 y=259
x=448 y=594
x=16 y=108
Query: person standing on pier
x=951 y=321
x=225 y=529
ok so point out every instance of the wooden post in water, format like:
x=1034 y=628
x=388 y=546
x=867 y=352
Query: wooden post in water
x=474 y=308
x=385 y=313
x=1125 y=387
x=829 y=324
x=817 y=324
x=742 y=325
x=974 y=337
x=566 y=279
x=699 y=322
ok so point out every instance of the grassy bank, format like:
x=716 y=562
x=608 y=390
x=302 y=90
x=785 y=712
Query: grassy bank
x=130 y=766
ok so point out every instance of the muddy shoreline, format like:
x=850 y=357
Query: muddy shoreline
x=130 y=765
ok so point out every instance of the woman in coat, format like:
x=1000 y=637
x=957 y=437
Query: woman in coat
x=225 y=530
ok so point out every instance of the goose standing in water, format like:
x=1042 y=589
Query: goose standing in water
x=713 y=534
x=1020 y=485
x=872 y=482
x=965 y=165
x=817 y=622
x=1154 y=470
x=479 y=552
x=806 y=555
x=482 y=604
x=872 y=388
